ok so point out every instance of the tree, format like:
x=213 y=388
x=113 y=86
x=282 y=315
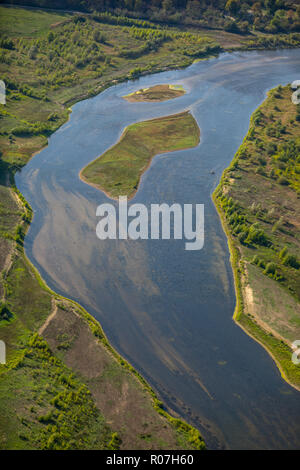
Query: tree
x=233 y=6
x=270 y=5
x=32 y=52
x=192 y=8
x=231 y=26
x=167 y=5
x=50 y=36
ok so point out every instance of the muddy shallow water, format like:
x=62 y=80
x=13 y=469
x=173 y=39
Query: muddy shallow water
x=167 y=310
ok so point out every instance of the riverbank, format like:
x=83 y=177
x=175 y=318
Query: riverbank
x=118 y=171
x=261 y=229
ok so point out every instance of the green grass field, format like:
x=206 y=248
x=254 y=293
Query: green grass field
x=118 y=171
x=18 y=22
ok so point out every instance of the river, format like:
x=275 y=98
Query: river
x=166 y=310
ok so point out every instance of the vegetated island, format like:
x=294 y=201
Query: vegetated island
x=156 y=93
x=118 y=171
x=258 y=200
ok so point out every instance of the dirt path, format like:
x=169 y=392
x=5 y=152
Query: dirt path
x=50 y=318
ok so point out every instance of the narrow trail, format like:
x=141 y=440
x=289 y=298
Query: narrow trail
x=50 y=317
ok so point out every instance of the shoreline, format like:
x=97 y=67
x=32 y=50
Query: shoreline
x=251 y=326
x=239 y=307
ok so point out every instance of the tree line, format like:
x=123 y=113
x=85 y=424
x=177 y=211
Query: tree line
x=240 y=16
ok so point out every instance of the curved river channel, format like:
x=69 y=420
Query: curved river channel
x=167 y=310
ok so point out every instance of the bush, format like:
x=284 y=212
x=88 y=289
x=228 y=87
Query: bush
x=19 y=234
x=283 y=252
x=270 y=268
x=115 y=442
x=6 y=43
x=5 y=313
x=291 y=260
x=99 y=37
x=283 y=181
x=242 y=237
x=257 y=236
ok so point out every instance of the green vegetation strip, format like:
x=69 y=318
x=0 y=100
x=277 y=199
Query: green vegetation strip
x=118 y=171
x=258 y=202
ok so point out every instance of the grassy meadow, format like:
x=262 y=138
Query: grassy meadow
x=118 y=171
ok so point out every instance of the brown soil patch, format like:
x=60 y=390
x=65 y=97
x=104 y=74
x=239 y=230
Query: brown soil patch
x=155 y=93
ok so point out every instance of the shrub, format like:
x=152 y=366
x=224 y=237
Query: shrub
x=283 y=181
x=115 y=442
x=291 y=260
x=242 y=237
x=270 y=268
x=5 y=313
x=45 y=419
x=19 y=234
x=283 y=252
x=257 y=236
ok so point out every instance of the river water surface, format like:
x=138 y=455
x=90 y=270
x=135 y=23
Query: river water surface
x=167 y=310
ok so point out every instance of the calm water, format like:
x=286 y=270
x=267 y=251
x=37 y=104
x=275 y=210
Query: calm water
x=167 y=310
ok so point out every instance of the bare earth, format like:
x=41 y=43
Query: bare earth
x=155 y=93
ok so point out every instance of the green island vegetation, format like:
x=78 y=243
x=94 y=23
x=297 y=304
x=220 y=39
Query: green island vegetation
x=49 y=60
x=259 y=202
x=156 y=93
x=118 y=171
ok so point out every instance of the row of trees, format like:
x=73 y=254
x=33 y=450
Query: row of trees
x=236 y=15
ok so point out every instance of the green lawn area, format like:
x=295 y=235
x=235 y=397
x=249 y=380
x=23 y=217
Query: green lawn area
x=118 y=171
